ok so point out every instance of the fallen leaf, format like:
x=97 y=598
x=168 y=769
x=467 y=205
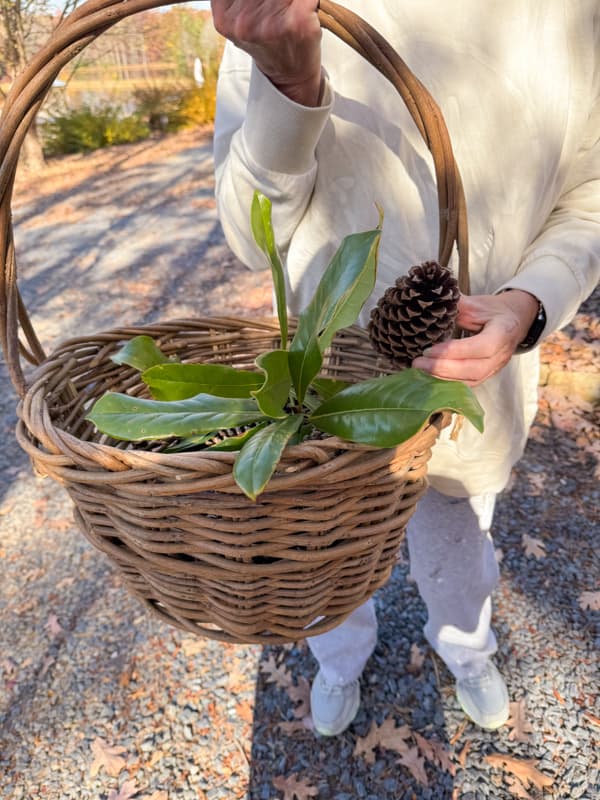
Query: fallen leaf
x=385 y=735
x=159 y=795
x=591 y=718
x=558 y=696
x=294 y=788
x=415 y=763
x=590 y=600
x=54 y=626
x=518 y=722
x=295 y=726
x=107 y=757
x=516 y=788
x=525 y=769
x=192 y=646
x=245 y=711
x=275 y=674
x=416 y=659
x=126 y=792
x=300 y=695
x=533 y=547
x=462 y=756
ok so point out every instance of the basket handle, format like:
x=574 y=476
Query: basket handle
x=90 y=20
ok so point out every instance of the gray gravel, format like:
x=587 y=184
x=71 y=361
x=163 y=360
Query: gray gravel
x=81 y=661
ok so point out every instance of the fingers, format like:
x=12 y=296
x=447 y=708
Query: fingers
x=471 y=360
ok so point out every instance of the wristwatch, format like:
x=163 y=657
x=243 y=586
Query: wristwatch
x=534 y=333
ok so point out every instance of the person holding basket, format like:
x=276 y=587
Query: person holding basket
x=315 y=128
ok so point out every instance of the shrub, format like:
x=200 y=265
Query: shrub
x=86 y=128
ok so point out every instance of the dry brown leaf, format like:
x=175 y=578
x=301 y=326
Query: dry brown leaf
x=462 y=756
x=417 y=657
x=161 y=794
x=590 y=600
x=245 y=711
x=434 y=751
x=533 y=547
x=415 y=763
x=516 y=788
x=385 y=735
x=192 y=646
x=107 y=757
x=300 y=695
x=294 y=788
x=126 y=792
x=518 y=722
x=295 y=726
x=54 y=626
x=275 y=674
x=523 y=768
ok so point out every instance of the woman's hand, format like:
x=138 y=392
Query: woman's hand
x=282 y=36
x=500 y=323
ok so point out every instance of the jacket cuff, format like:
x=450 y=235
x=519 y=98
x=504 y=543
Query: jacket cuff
x=552 y=281
x=279 y=134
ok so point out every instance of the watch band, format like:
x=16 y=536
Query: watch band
x=534 y=333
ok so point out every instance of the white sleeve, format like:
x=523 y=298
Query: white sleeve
x=262 y=141
x=562 y=265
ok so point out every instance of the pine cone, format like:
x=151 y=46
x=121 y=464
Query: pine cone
x=418 y=311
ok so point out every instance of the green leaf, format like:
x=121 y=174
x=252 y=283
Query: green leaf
x=141 y=353
x=258 y=458
x=136 y=419
x=387 y=411
x=180 y=381
x=189 y=442
x=328 y=387
x=275 y=391
x=342 y=291
x=237 y=442
x=262 y=230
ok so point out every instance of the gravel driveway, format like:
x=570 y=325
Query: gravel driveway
x=100 y=701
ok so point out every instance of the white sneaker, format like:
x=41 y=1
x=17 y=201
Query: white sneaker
x=333 y=707
x=484 y=698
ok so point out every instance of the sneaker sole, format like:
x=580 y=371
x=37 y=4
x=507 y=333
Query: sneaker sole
x=492 y=723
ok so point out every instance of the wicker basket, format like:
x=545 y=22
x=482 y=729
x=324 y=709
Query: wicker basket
x=324 y=535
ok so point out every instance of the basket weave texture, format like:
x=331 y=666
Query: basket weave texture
x=324 y=535
x=317 y=543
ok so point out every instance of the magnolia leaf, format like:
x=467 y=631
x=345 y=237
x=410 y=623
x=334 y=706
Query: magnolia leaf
x=328 y=387
x=234 y=443
x=342 y=291
x=262 y=230
x=141 y=353
x=107 y=757
x=180 y=381
x=190 y=442
x=137 y=419
x=275 y=391
x=258 y=458
x=387 y=411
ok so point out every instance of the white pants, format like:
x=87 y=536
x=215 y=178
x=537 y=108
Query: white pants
x=453 y=562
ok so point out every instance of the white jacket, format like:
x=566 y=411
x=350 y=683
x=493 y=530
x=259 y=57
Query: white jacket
x=518 y=82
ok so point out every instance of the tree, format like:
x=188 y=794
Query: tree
x=24 y=25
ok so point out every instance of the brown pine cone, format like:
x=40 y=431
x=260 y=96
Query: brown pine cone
x=415 y=313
